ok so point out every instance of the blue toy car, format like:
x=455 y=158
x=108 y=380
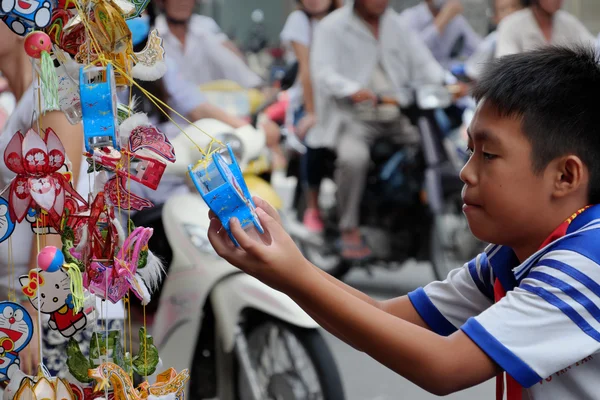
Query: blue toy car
x=23 y=16
x=224 y=190
x=98 y=95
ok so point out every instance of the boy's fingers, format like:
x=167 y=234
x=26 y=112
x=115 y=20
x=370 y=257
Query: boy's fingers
x=211 y=214
x=216 y=239
x=268 y=208
x=246 y=242
x=271 y=225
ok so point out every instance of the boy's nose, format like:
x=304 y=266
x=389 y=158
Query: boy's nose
x=468 y=174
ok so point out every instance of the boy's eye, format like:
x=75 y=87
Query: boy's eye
x=489 y=156
x=469 y=152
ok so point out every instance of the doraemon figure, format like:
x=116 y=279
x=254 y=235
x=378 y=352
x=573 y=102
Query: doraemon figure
x=22 y=16
x=16 y=331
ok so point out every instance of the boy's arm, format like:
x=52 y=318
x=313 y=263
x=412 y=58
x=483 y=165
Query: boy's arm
x=400 y=307
x=438 y=364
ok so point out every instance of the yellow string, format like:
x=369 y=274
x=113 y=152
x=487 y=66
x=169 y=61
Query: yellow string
x=11 y=270
x=159 y=104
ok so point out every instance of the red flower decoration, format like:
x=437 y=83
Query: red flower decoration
x=38 y=182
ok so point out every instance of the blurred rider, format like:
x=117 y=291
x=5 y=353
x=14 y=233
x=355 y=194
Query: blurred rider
x=444 y=29
x=356 y=55
x=541 y=23
x=197 y=51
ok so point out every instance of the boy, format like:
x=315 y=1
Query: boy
x=529 y=304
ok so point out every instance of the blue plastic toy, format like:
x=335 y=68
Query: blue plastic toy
x=99 y=107
x=23 y=16
x=224 y=190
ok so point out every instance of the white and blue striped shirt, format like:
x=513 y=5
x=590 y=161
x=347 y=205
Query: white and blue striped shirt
x=546 y=331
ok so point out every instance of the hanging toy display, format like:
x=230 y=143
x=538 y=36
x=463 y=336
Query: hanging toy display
x=82 y=57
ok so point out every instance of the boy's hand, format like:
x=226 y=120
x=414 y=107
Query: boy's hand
x=274 y=259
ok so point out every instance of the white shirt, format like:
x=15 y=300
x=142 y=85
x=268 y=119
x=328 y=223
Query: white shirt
x=298 y=28
x=209 y=25
x=22 y=237
x=485 y=53
x=520 y=32
x=546 y=331
x=442 y=44
x=204 y=59
x=344 y=55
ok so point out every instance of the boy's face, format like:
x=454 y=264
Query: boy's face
x=504 y=199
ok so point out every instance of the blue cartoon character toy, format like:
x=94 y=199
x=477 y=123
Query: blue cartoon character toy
x=23 y=16
x=7 y=225
x=16 y=331
x=224 y=190
x=98 y=95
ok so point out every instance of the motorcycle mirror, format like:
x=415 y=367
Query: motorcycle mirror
x=257 y=16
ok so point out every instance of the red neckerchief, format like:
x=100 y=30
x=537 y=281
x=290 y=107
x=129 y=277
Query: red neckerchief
x=514 y=391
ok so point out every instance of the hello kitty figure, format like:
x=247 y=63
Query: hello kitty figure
x=55 y=299
x=16 y=330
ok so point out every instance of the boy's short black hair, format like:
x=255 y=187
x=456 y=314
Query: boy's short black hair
x=555 y=93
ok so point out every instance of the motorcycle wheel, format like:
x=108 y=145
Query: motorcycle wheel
x=290 y=364
x=451 y=242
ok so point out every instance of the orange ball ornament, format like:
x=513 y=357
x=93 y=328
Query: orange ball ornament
x=36 y=43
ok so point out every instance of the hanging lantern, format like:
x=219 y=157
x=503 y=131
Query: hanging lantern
x=44 y=389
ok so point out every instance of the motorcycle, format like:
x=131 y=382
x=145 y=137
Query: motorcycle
x=239 y=338
x=411 y=207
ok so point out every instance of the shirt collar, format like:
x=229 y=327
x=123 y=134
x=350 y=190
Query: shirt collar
x=194 y=26
x=506 y=265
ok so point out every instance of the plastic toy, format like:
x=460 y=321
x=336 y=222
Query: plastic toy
x=99 y=107
x=22 y=16
x=7 y=226
x=224 y=190
x=50 y=259
x=112 y=282
x=16 y=331
x=36 y=43
x=59 y=303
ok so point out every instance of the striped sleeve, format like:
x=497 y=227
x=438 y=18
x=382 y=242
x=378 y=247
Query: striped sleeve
x=445 y=306
x=551 y=320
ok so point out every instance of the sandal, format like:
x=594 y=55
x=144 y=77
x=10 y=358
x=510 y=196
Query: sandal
x=354 y=251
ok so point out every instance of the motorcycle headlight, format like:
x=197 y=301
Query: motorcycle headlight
x=199 y=237
x=236 y=144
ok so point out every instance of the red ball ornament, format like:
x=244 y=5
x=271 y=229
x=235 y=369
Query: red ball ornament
x=36 y=43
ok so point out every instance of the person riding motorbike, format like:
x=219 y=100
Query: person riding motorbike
x=190 y=45
x=297 y=36
x=487 y=49
x=356 y=54
x=443 y=28
x=541 y=23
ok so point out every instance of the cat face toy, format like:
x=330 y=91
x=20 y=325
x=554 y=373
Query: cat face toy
x=16 y=331
x=52 y=290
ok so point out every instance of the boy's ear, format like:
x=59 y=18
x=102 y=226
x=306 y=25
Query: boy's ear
x=571 y=175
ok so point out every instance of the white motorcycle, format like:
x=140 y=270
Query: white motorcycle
x=239 y=338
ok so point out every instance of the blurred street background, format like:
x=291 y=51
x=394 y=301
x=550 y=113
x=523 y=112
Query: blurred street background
x=234 y=15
